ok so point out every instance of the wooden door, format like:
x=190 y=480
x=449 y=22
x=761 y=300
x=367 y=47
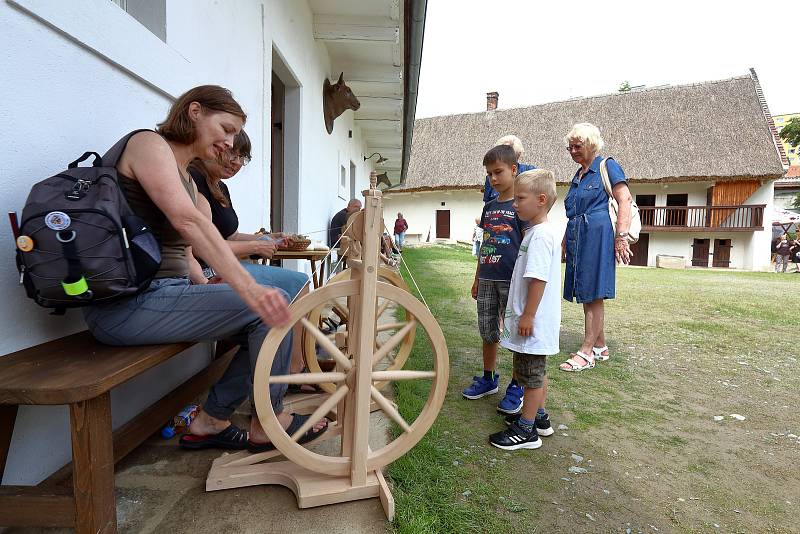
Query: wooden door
x=700 y=253
x=640 y=249
x=442 y=224
x=722 y=253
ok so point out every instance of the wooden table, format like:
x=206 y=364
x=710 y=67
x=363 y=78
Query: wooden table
x=313 y=256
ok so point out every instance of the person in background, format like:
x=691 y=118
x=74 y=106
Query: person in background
x=339 y=221
x=794 y=251
x=782 y=253
x=477 y=238
x=400 y=227
x=513 y=141
x=590 y=245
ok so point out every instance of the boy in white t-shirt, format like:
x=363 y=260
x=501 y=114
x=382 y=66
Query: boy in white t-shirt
x=533 y=313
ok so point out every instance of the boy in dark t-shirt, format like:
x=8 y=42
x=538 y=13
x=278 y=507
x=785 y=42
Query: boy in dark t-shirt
x=502 y=234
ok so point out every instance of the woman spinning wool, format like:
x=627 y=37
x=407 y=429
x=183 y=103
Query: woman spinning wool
x=589 y=244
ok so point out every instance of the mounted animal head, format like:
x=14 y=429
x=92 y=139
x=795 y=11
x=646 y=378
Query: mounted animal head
x=336 y=99
x=383 y=179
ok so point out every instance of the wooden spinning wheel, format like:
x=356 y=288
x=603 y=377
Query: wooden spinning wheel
x=386 y=324
x=353 y=386
x=346 y=381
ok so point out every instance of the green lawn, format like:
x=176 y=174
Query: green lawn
x=686 y=346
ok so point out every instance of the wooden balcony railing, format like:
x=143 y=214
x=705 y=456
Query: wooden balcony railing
x=744 y=218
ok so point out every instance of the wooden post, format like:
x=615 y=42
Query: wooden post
x=363 y=334
x=93 y=466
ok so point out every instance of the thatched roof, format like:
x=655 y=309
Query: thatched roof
x=713 y=130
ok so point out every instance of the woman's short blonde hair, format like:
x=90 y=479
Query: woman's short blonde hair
x=588 y=134
x=538 y=182
x=514 y=142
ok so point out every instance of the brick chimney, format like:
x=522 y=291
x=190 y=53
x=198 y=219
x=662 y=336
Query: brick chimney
x=491 y=100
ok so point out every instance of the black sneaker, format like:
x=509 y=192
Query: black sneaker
x=513 y=438
x=543 y=426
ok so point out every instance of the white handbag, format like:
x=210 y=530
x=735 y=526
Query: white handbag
x=636 y=221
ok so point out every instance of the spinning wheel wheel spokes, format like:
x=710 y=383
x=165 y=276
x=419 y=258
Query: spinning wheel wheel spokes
x=344 y=382
x=387 y=312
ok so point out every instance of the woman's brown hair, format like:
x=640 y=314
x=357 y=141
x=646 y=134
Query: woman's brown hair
x=179 y=128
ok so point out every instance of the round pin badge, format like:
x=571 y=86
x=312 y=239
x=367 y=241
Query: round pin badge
x=57 y=220
x=24 y=243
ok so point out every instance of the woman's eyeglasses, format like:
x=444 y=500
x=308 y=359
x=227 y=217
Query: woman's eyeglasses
x=239 y=158
x=574 y=148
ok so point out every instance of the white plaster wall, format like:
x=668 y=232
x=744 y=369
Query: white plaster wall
x=289 y=30
x=757 y=249
x=419 y=209
x=78 y=75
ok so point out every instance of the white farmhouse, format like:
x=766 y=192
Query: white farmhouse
x=701 y=160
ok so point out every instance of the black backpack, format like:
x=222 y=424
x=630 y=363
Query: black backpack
x=79 y=242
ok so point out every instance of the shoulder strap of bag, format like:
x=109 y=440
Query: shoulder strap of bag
x=112 y=157
x=604 y=176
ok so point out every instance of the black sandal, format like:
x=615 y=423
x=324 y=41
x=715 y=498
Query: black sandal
x=232 y=438
x=297 y=422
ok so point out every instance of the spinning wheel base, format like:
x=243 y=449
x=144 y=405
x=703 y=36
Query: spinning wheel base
x=310 y=488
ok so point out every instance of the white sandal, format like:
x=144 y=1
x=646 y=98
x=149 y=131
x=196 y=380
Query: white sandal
x=575 y=367
x=598 y=353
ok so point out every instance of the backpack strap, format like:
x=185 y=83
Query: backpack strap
x=604 y=176
x=112 y=157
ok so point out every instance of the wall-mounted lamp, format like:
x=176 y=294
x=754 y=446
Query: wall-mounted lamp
x=381 y=159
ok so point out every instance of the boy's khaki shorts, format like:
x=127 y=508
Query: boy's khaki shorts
x=530 y=369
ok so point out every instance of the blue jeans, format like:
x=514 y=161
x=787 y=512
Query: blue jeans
x=171 y=311
x=267 y=275
x=399 y=240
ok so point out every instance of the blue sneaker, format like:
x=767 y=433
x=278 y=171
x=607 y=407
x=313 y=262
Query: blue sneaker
x=481 y=387
x=512 y=402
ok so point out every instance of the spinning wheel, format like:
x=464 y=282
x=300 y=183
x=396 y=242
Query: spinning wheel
x=386 y=325
x=347 y=382
x=354 y=471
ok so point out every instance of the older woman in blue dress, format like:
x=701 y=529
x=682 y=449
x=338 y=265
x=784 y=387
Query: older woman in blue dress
x=590 y=244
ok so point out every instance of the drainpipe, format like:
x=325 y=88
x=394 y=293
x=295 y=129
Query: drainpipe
x=414 y=27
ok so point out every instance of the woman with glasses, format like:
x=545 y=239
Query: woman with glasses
x=590 y=245
x=209 y=176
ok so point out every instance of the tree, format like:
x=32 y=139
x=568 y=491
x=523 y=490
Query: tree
x=791 y=132
x=796 y=201
x=625 y=87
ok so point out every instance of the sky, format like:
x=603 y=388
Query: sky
x=537 y=51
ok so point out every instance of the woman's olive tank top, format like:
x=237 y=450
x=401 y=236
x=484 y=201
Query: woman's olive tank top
x=173 y=246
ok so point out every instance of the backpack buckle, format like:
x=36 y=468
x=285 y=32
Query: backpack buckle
x=78 y=190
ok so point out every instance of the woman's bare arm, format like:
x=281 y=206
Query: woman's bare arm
x=149 y=159
x=622 y=247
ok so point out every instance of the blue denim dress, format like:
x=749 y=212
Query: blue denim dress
x=590 y=271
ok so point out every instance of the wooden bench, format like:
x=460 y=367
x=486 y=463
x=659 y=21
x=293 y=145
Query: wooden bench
x=78 y=371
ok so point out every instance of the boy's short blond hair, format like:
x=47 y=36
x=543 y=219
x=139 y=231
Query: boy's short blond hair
x=538 y=182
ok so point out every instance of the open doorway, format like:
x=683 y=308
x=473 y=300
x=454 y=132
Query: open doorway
x=278 y=107
x=285 y=173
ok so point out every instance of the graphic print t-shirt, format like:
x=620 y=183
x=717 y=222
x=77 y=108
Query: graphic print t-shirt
x=539 y=258
x=502 y=234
